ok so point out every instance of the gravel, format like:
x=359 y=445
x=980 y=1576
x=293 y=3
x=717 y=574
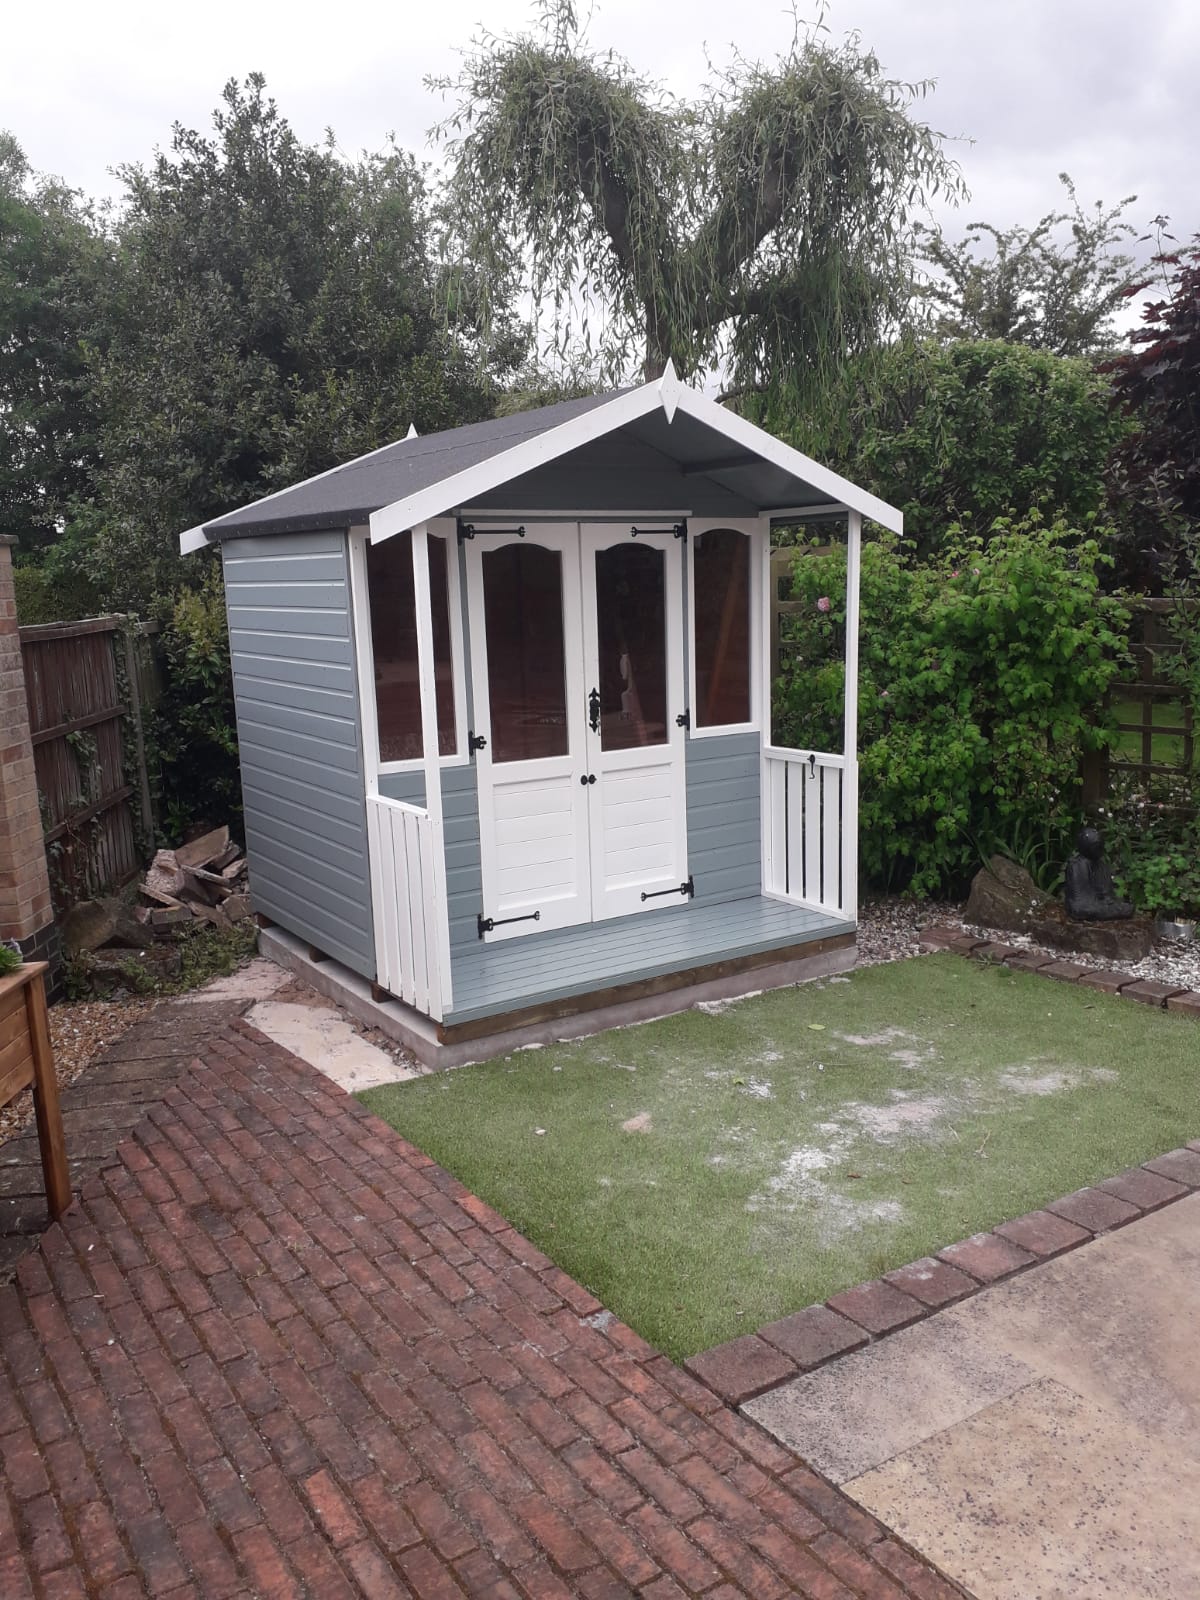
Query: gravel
x=79 y=1030
x=889 y=929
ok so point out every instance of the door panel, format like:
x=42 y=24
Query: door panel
x=527 y=676
x=633 y=649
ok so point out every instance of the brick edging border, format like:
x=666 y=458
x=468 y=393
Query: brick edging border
x=748 y=1366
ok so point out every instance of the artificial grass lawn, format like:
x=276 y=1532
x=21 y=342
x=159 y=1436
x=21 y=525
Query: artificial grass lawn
x=795 y=1143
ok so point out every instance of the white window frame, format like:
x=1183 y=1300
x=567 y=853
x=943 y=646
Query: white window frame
x=440 y=528
x=752 y=527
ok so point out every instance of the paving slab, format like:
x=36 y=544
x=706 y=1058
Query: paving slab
x=1041 y=1439
x=1066 y=1501
x=321 y=1036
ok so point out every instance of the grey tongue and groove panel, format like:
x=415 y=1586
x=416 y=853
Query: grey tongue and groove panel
x=292 y=652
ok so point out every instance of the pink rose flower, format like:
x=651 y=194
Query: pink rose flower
x=823 y=604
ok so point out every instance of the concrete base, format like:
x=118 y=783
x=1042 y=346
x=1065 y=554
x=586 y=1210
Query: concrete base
x=420 y=1034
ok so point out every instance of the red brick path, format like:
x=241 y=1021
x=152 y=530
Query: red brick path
x=276 y=1351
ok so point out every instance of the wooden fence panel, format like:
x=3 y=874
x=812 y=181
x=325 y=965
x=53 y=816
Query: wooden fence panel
x=84 y=685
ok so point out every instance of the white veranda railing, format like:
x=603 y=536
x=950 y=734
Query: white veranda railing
x=412 y=934
x=810 y=831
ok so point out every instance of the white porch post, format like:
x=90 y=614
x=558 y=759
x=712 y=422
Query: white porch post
x=850 y=722
x=431 y=753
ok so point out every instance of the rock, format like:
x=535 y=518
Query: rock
x=1003 y=895
x=129 y=930
x=165 y=876
x=238 y=907
x=1127 y=940
x=87 y=926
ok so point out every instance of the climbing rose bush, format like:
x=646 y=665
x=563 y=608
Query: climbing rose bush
x=982 y=679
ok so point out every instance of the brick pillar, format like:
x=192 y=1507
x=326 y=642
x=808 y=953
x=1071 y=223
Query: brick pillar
x=25 y=910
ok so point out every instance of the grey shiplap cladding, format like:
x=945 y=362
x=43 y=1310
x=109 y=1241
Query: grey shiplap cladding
x=292 y=652
x=724 y=816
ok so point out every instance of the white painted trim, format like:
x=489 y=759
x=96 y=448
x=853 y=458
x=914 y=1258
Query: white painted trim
x=439 y=914
x=749 y=526
x=197 y=537
x=461 y=487
x=850 y=720
x=764 y=444
x=364 y=658
x=495 y=514
x=807 y=513
x=364 y=652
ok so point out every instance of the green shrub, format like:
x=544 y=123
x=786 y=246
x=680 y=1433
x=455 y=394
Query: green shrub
x=195 y=733
x=10 y=959
x=45 y=596
x=982 y=677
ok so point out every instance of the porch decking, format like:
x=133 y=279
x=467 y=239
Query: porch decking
x=516 y=975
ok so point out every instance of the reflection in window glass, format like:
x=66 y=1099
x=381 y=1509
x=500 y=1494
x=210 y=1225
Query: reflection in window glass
x=631 y=626
x=721 y=571
x=526 y=663
x=394 y=645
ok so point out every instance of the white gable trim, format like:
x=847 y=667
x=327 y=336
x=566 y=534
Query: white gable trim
x=463 y=487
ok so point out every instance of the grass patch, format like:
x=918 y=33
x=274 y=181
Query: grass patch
x=793 y=1144
x=1166 y=749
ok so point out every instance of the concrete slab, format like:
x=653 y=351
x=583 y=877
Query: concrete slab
x=1046 y=1496
x=867 y=1407
x=1042 y=1440
x=321 y=1036
x=257 y=980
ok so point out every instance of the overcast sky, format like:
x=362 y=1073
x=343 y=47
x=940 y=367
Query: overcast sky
x=1098 y=88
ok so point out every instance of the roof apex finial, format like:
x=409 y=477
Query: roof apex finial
x=668 y=389
x=412 y=432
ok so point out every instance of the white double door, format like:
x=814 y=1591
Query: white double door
x=577 y=676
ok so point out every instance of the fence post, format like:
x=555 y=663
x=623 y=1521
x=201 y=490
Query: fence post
x=133 y=679
x=26 y=914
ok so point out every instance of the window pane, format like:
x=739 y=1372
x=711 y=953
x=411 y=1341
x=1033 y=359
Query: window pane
x=394 y=644
x=631 y=627
x=722 y=583
x=523 y=616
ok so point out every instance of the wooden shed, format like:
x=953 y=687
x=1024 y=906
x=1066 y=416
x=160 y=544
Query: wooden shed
x=503 y=702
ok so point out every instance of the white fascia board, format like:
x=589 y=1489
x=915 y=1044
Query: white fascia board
x=197 y=538
x=782 y=455
x=193 y=539
x=463 y=487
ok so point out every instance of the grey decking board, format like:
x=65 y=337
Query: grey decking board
x=505 y=977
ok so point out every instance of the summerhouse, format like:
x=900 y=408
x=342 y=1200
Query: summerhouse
x=503 y=702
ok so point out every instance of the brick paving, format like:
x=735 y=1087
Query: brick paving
x=98 y=1111
x=275 y=1351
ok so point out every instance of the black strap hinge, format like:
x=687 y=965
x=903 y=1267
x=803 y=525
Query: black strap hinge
x=468 y=530
x=679 y=529
x=687 y=889
x=486 y=924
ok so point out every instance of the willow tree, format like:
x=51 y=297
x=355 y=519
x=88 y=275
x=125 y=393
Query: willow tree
x=764 y=227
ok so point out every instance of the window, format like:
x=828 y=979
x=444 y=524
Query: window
x=526 y=652
x=721 y=603
x=394 y=647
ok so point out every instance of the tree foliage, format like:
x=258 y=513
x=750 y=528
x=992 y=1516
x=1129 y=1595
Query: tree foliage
x=968 y=433
x=274 y=310
x=767 y=222
x=981 y=679
x=53 y=258
x=1156 y=471
x=1027 y=286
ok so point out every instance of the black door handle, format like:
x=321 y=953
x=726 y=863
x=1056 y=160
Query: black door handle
x=594 y=710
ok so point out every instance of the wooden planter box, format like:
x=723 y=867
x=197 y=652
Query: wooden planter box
x=26 y=1059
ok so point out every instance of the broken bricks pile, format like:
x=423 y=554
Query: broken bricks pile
x=204 y=879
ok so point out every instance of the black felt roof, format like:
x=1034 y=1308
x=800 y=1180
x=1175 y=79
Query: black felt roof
x=351 y=493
